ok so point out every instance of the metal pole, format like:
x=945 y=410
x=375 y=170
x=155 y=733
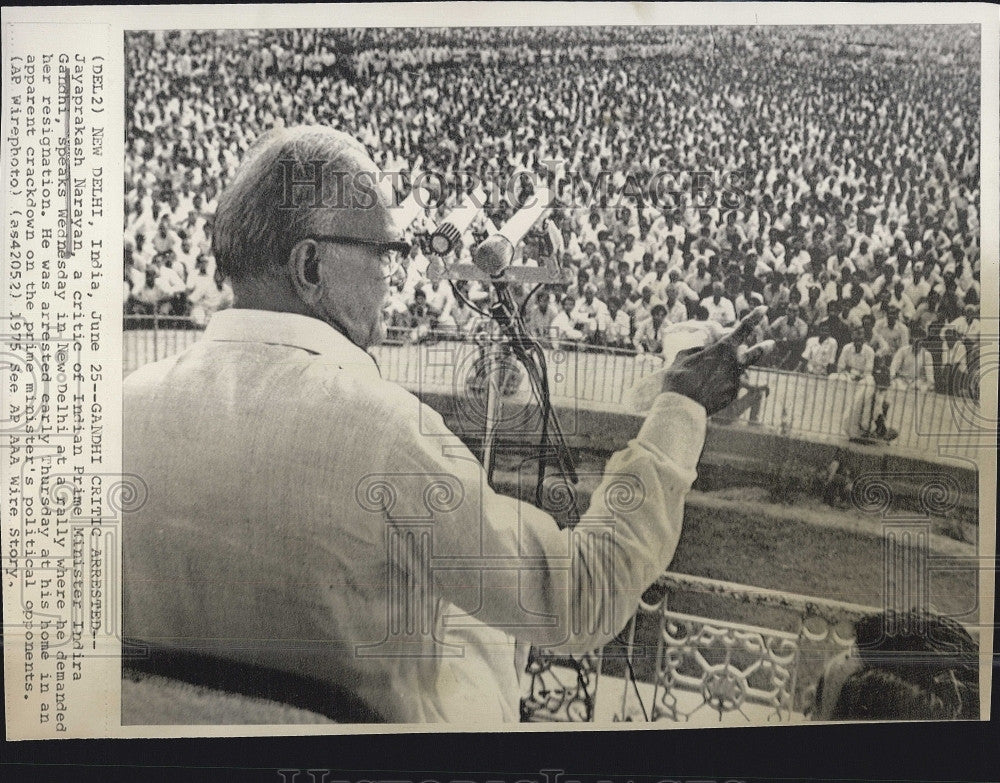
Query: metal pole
x=156 y=334
x=494 y=398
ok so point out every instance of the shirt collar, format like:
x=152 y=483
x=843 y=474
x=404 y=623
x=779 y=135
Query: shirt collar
x=291 y=329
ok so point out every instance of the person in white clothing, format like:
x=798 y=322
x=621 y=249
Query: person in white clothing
x=693 y=333
x=592 y=313
x=857 y=360
x=288 y=529
x=617 y=326
x=719 y=308
x=649 y=332
x=565 y=327
x=912 y=366
x=954 y=361
x=207 y=292
x=966 y=326
x=684 y=292
x=820 y=354
x=657 y=280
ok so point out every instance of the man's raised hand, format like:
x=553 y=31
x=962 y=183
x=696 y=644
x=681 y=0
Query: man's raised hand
x=711 y=375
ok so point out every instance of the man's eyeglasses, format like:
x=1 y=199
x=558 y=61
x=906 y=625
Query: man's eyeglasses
x=388 y=252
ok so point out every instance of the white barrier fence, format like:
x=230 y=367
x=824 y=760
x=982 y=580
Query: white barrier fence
x=808 y=406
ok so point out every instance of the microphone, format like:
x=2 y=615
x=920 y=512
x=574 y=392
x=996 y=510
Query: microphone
x=495 y=253
x=446 y=236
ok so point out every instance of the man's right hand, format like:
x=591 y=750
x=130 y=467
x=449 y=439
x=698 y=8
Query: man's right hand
x=711 y=375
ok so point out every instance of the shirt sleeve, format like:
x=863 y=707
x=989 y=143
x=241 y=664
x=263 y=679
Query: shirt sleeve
x=508 y=563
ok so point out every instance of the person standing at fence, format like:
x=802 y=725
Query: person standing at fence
x=789 y=331
x=953 y=361
x=295 y=497
x=539 y=317
x=649 y=333
x=157 y=291
x=720 y=309
x=591 y=314
x=893 y=332
x=421 y=317
x=867 y=420
x=618 y=325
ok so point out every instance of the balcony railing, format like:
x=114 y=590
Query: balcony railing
x=673 y=666
x=807 y=406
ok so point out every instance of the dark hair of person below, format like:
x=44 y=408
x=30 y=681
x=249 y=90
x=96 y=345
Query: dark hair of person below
x=928 y=669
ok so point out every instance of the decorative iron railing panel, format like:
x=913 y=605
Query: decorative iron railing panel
x=726 y=664
x=560 y=693
x=700 y=668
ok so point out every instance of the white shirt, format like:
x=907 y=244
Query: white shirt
x=440 y=301
x=617 y=328
x=594 y=314
x=964 y=328
x=165 y=285
x=675 y=313
x=563 y=326
x=913 y=365
x=689 y=334
x=290 y=488
x=955 y=355
x=206 y=297
x=857 y=361
x=722 y=313
x=819 y=355
x=171 y=281
x=658 y=285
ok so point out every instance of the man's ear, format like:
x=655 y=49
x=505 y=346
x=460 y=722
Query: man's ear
x=303 y=264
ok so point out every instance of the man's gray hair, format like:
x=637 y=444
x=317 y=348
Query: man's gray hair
x=269 y=205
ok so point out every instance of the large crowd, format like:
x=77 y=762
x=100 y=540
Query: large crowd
x=830 y=174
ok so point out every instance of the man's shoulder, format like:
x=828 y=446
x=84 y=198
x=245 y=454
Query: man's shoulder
x=292 y=377
x=152 y=376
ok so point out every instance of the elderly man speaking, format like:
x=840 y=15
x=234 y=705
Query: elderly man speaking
x=311 y=523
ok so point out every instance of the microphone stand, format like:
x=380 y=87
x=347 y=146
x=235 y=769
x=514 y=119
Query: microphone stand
x=531 y=356
x=505 y=314
x=514 y=335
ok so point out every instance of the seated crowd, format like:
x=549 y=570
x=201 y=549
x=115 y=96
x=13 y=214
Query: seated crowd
x=696 y=174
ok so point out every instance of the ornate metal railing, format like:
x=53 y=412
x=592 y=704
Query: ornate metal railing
x=681 y=667
x=809 y=406
x=560 y=689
